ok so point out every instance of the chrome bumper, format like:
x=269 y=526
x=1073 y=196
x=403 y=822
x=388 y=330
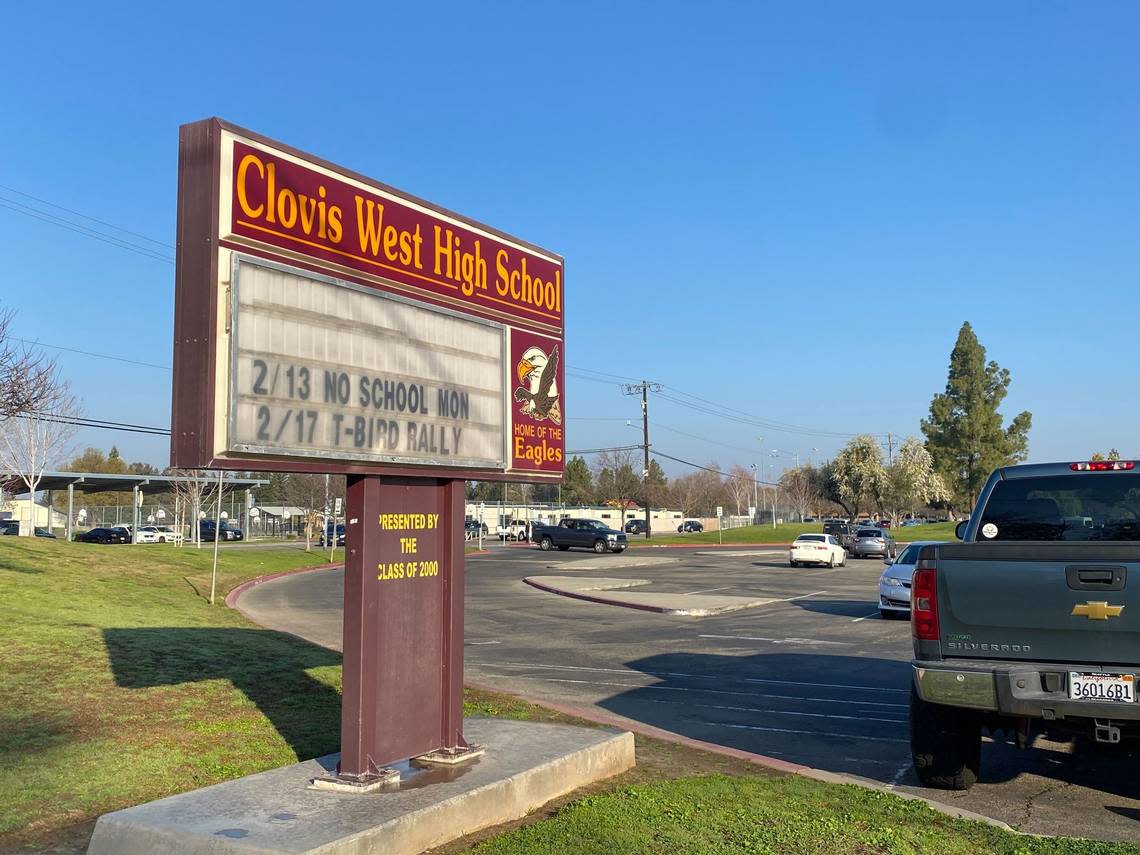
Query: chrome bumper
x=1031 y=689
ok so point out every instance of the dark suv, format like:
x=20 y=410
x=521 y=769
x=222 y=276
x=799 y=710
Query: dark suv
x=842 y=531
x=206 y=531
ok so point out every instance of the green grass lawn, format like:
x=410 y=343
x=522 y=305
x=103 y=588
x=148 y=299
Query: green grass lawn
x=786 y=533
x=718 y=815
x=121 y=684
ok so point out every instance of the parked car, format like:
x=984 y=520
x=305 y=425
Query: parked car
x=635 y=527
x=206 y=531
x=842 y=531
x=817 y=549
x=1029 y=625
x=326 y=536
x=147 y=534
x=580 y=533
x=690 y=525
x=471 y=529
x=12 y=527
x=894 y=584
x=514 y=530
x=909 y=523
x=104 y=535
x=873 y=541
x=166 y=534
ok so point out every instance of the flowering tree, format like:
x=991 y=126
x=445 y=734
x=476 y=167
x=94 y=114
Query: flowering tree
x=859 y=476
x=912 y=481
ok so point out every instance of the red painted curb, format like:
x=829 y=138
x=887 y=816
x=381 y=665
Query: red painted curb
x=654 y=732
x=605 y=601
x=231 y=597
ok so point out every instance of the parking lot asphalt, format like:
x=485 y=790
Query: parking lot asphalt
x=815 y=677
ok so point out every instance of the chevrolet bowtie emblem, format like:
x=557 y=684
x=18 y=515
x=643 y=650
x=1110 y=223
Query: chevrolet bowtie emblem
x=1097 y=611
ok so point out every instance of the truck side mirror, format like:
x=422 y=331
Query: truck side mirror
x=960 y=529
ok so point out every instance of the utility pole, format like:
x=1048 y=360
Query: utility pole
x=644 y=387
x=890 y=449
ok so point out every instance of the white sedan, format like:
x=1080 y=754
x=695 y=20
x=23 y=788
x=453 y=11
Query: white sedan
x=817 y=549
x=159 y=534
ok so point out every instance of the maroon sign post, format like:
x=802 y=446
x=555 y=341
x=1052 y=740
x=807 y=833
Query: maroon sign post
x=403 y=625
x=325 y=322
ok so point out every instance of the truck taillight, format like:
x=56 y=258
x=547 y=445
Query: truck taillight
x=1103 y=466
x=924 y=605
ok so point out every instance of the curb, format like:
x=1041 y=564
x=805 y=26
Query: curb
x=232 y=596
x=763 y=760
x=605 y=601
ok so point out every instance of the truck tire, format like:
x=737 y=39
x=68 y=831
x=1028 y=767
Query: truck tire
x=546 y=544
x=600 y=546
x=945 y=744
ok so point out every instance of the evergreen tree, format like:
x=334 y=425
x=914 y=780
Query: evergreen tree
x=578 y=483
x=964 y=432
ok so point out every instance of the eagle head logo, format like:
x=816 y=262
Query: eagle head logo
x=537 y=390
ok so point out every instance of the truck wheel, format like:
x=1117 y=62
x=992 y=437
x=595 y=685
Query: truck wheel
x=546 y=544
x=600 y=546
x=945 y=744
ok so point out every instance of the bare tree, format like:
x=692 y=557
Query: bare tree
x=31 y=439
x=308 y=493
x=800 y=489
x=617 y=480
x=29 y=382
x=190 y=487
x=741 y=486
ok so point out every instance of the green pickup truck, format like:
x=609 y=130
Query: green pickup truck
x=1032 y=622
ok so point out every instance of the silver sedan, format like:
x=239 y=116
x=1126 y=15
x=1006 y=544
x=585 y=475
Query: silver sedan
x=894 y=584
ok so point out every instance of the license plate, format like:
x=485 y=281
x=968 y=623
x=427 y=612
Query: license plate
x=1117 y=688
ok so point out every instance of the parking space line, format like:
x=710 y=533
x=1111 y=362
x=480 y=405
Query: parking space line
x=708 y=590
x=872 y=614
x=804 y=642
x=802 y=596
x=815 y=733
x=690 y=705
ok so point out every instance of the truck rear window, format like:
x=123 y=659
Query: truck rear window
x=1063 y=507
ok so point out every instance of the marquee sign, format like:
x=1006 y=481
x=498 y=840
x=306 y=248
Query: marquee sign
x=326 y=322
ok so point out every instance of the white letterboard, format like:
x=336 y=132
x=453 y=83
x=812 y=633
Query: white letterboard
x=322 y=368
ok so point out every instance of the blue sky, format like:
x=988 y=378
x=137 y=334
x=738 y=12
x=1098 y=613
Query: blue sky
x=784 y=209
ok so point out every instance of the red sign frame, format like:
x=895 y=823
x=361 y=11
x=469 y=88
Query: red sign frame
x=242 y=193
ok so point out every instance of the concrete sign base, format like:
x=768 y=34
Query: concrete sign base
x=527 y=765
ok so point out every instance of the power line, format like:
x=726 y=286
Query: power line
x=707 y=468
x=79 y=228
x=80 y=421
x=163 y=244
x=91 y=353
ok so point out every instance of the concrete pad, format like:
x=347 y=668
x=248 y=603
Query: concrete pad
x=603 y=591
x=609 y=562
x=526 y=765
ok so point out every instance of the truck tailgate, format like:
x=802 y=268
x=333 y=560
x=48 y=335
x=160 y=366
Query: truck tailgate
x=1040 y=601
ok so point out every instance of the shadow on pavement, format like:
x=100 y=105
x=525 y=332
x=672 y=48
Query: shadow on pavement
x=839 y=713
x=268 y=667
x=842 y=608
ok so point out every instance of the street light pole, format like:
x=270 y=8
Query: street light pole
x=755 y=494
